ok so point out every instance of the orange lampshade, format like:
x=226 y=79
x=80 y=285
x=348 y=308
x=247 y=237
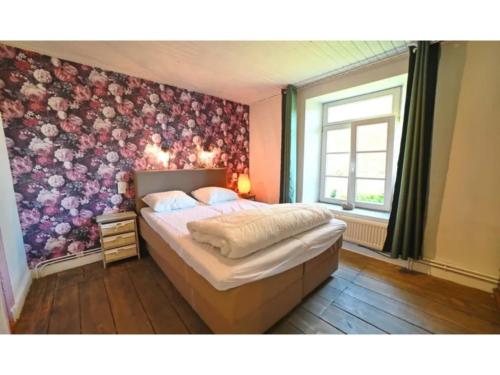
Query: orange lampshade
x=243 y=184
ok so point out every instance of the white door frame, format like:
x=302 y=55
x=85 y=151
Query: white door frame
x=4 y=319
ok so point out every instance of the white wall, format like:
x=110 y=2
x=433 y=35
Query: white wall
x=467 y=233
x=20 y=276
x=265 y=148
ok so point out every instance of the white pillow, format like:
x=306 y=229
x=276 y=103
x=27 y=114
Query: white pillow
x=169 y=200
x=212 y=194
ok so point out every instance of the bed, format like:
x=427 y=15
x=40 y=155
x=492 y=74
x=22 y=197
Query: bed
x=247 y=295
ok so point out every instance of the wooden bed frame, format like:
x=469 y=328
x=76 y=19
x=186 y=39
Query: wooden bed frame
x=249 y=308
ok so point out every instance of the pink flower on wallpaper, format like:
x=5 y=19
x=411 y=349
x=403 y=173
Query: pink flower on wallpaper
x=48 y=198
x=42 y=147
x=76 y=247
x=62 y=228
x=82 y=93
x=125 y=107
x=102 y=126
x=42 y=76
x=64 y=154
x=56 y=181
x=98 y=79
x=49 y=130
x=21 y=165
x=58 y=104
x=73 y=131
x=119 y=134
x=7 y=52
x=29 y=217
x=71 y=124
x=70 y=202
x=91 y=187
x=115 y=89
x=77 y=172
x=66 y=72
x=105 y=171
x=11 y=109
x=86 y=142
x=33 y=92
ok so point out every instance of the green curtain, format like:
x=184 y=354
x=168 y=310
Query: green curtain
x=288 y=176
x=406 y=223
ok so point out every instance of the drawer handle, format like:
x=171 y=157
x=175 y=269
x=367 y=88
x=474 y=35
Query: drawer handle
x=113 y=252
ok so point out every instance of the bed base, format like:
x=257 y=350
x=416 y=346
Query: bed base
x=250 y=308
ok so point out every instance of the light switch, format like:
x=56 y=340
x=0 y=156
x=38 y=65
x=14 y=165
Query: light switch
x=122 y=187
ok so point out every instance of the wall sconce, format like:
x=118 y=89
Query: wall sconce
x=244 y=184
x=155 y=151
x=206 y=158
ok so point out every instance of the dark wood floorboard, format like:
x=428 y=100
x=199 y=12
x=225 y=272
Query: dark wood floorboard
x=96 y=316
x=65 y=314
x=128 y=312
x=364 y=296
x=161 y=313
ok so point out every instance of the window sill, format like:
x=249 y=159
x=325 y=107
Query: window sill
x=361 y=213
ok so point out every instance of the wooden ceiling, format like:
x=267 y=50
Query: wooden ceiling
x=243 y=71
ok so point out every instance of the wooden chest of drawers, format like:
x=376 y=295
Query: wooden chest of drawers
x=119 y=239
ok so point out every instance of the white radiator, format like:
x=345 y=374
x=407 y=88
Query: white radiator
x=364 y=232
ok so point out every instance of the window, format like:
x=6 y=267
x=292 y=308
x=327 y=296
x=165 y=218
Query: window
x=357 y=150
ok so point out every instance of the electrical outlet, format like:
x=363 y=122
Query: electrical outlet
x=122 y=187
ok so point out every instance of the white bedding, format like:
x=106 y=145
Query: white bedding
x=242 y=233
x=224 y=273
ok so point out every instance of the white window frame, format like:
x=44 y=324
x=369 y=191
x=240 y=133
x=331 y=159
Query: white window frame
x=390 y=119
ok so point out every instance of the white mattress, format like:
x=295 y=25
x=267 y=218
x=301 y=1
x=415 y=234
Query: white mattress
x=224 y=273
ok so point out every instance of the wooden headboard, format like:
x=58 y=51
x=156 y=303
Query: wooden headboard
x=186 y=180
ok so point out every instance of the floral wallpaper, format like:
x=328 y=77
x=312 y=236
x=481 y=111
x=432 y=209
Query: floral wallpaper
x=73 y=131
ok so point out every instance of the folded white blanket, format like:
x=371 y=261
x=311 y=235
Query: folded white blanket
x=245 y=232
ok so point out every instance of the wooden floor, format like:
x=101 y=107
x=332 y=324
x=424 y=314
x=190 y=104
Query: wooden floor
x=363 y=296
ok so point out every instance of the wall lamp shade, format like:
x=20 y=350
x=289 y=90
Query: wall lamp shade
x=243 y=184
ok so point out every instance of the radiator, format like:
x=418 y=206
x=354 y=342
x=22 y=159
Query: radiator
x=364 y=232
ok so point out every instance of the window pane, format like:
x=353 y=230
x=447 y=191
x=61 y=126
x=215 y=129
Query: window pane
x=337 y=165
x=361 y=109
x=371 y=137
x=338 y=140
x=336 y=188
x=370 y=191
x=370 y=164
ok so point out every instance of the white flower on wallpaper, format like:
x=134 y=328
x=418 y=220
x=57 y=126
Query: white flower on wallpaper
x=74 y=131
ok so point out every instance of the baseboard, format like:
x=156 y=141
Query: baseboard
x=428 y=268
x=67 y=264
x=15 y=310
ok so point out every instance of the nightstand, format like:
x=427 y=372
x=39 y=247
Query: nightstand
x=249 y=196
x=119 y=239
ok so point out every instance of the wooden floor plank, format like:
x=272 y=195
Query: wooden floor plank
x=284 y=327
x=440 y=292
x=37 y=308
x=189 y=317
x=411 y=314
x=364 y=295
x=126 y=307
x=160 y=311
x=467 y=321
x=96 y=316
x=316 y=304
x=65 y=315
x=310 y=323
x=69 y=277
x=378 y=318
x=94 y=270
x=346 y=273
x=348 y=323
